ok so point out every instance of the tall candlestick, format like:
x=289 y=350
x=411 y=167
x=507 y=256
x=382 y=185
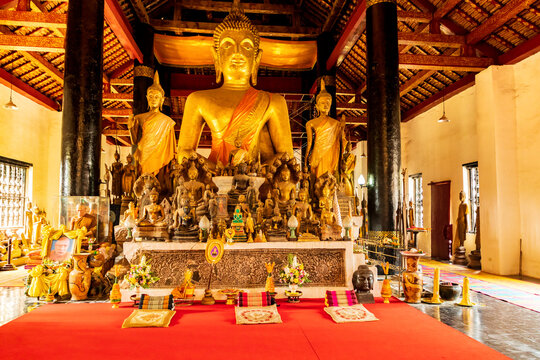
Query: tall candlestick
x=466 y=300
x=436 y=299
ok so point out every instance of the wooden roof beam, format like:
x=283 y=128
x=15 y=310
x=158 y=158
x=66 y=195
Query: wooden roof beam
x=448 y=6
x=208 y=28
x=117 y=96
x=441 y=62
x=416 y=80
x=32 y=43
x=414 y=16
x=140 y=11
x=250 y=8
x=114 y=16
x=356 y=120
x=33 y=19
x=117 y=112
x=426 y=39
x=27 y=91
x=354 y=28
x=333 y=15
x=121 y=69
x=497 y=20
x=351 y=106
x=437 y=98
x=121 y=82
x=520 y=52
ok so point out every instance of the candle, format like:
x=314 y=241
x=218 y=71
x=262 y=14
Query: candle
x=436 y=299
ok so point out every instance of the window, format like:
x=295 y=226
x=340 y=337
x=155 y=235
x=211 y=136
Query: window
x=416 y=195
x=473 y=196
x=12 y=192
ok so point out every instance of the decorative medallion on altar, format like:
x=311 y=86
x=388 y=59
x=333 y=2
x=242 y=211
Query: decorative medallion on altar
x=214 y=251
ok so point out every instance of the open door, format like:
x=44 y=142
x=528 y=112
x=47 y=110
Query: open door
x=441 y=230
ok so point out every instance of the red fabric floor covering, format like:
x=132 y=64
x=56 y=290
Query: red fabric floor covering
x=93 y=331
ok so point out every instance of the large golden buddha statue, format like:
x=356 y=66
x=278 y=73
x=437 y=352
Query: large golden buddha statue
x=325 y=139
x=236 y=111
x=153 y=132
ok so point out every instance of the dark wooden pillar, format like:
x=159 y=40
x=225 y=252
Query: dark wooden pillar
x=83 y=81
x=384 y=142
x=325 y=45
x=143 y=72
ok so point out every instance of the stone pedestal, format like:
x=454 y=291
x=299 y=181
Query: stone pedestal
x=459 y=256
x=474 y=260
x=151 y=233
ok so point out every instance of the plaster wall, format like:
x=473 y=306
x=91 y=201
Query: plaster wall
x=33 y=134
x=438 y=151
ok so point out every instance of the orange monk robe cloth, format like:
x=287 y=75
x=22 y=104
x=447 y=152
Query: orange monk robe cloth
x=196 y=51
x=158 y=142
x=325 y=155
x=245 y=121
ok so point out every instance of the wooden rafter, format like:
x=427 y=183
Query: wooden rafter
x=121 y=69
x=522 y=51
x=354 y=28
x=32 y=43
x=445 y=8
x=117 y=112
x=333 y=15
x=426 y=39
x=223 y=6
x=416 y=80
x=497 y=20
x=441 y=62
x=208 y=28
x=351 y=106
x=117 y=97
x=122 y=29
x=32 y=19
x=140 y=10
x=122 y=82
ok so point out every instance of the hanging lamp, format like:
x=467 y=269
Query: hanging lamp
x=443 y=118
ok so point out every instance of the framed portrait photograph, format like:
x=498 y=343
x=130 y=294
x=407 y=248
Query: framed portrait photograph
x=61 y=249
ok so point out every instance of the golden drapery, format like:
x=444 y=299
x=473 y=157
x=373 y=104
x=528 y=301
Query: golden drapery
x=325 y=153
x=195 y=51
x=157 y=145
x=244 y=124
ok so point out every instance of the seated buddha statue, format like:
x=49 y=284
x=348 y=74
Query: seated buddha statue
x=236 y=111
x=285 y=190
x=194 y=187
x=325 y=138
x=153 y=214
x=153 y=132
x=240 y=181
x=303 y=211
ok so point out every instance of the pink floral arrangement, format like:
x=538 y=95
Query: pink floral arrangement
x=294 y=272
x=139 y=275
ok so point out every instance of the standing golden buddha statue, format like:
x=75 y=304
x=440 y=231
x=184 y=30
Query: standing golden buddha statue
x=325 y=138
x=153 y=132
x=258 y=120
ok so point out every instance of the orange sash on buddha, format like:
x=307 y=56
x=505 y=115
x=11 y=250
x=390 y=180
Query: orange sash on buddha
x=326 y=148
x=244 y=124
x=158 y=143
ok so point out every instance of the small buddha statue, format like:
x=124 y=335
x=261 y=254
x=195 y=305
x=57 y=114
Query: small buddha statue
x=117 y=171
x=153 y=214
x=84 y=219
x=212 y=206
x=153 y=132
x=28 y=221
x=325 y=201
x=260 y=212
x=129 y=176
x=238 y=155
x=236 y=111
x=362 y=280
x=348 y=163
x=302 y=210
x=269 y=206
x=249 y=227
x=410 y=215
x=285 y=189
x=240 y=180
x=194 y=187
x=131 y=211
x=243 y=205
x=325 y=138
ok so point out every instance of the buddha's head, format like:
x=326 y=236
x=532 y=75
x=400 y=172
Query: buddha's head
x=154 y=195
x=129 y=158
x=326 y=191
x=285 y=174
x=193 y=173
x=131 y=205
x=155 y=95
x=116 y=156
x=236 y=49
x=363 y=279
x=462 y=196
x=242 y=199
x=242 y=168
x=302 y=195
x=323 y=100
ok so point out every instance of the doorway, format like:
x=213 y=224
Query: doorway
x=441 y=229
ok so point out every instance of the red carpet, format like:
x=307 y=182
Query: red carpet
x=93 y=331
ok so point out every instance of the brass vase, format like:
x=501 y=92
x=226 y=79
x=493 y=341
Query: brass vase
x=386 y=291
x=80 y=277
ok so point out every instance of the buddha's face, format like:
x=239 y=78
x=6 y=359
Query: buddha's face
x=193 y=173
x=285 y=174
x=326 y=191
x=363 y=279
x=129 y=159
x=116 y=156
x=154 y=98
x=323 y=104
x=302 y=196
x=154 y=198
x=237 y=54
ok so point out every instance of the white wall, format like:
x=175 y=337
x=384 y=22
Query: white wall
x=497 y=123
x=33 y=134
